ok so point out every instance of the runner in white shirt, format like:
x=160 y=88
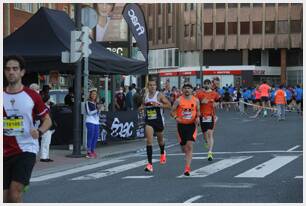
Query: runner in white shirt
x=20 y=137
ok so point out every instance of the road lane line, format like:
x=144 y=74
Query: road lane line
x=267 y=167
x=138 y=177
x=74 y=170
x=242 y=152
x=112 y=171
x=293 y=148
x=216 y=167
x=298 y=177
x=193 y=199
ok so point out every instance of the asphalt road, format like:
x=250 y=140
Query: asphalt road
x=256 y=161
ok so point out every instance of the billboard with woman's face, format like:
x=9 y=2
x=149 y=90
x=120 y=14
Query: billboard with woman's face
x=111 y=24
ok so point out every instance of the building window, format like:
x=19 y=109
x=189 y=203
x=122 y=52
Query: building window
x=282 y=4
x=150 y=34
x=208 y=29
x=208 y=6
x=270 y=27
x=295 y=26
x=257 y=5
x=169 y=32
x=244 y=27
x=24 y=7
x=257 y=27
x=254 y=57
x=270 y=5
x=186 y=30
x=245 y=5
x=159 y=33
x=283 y=27
x=220 y=6
x=192 y=31
x=186 y=7
x=220 y=28
x=192 y=6
x=232 y=27
x=170 y=8
x=159 y=9
x=232 y=5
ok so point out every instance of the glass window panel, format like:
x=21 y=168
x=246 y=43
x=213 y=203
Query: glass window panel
x=244 y=27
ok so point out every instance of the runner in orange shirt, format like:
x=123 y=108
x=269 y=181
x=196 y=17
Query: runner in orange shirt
x=280 y=101
x=264 y=89
x=186 y=111
x=208 y=117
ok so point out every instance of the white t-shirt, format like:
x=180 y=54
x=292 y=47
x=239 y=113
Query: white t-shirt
x=19 y=113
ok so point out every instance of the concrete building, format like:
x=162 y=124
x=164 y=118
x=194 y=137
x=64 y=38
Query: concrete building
x=241 y=43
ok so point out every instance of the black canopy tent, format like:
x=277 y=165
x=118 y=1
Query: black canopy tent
x=43 y=38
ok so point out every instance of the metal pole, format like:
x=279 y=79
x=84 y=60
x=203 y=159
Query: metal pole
x=77 y=95
x=106 y=92
x=201 y=45
x=113 y=87
x=85 y=86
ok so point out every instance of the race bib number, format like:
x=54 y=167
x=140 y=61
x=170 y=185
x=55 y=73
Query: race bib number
x=207 y=119
x=187 y=114
x=13 y=126
x=151 y=114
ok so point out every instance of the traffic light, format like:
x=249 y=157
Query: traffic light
x=79 y=44
x=75 y=46
x=86 y=51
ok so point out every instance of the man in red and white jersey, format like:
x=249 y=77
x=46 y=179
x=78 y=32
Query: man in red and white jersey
x=20 y=138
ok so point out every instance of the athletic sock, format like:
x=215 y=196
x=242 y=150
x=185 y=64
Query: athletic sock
x=149 y=153
x=162 y=149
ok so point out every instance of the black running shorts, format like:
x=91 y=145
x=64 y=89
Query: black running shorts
x=264 y=99
x=207 y=125
x=157 y=126
x=186 y=132
x=18 y=168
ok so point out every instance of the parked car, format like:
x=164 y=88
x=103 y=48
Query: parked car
x=58 y=96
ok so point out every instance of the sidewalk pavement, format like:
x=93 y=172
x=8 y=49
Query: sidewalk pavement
x=62 y=162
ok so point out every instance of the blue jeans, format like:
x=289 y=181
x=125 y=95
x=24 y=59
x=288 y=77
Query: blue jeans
x=92 y=136
x=281 y=111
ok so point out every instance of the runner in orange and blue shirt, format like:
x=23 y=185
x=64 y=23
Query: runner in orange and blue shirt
x=186 y=111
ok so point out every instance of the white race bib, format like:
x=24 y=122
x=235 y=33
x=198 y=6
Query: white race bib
x=207 y=119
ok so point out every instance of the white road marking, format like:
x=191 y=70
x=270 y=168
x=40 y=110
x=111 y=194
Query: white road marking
x=112 y=171
x=228 y=185
x=72 y=171
x=267 y=167
x=298 y=177
x=193 y=199
x=242 y=152
x=216 y=167
x=293 y=148
x=137 y=177
x=203 y=158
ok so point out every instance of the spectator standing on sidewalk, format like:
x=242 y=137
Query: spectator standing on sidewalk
x=280 y=101
x=46 y=137
x=69 y=98
x=129 y=99
x=120 y=100
x=92 y=123
x=20 y=137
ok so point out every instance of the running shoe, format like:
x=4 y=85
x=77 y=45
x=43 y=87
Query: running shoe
x=163 y=158
x=210 y=156
x=265 y=113
x=149 y=168
x=187 y=171
x=94 y=154
x=89 y=155
x=25 y=188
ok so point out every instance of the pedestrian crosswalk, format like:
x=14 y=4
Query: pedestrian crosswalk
x=252 y=168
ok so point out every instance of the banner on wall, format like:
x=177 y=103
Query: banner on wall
x=122 y=125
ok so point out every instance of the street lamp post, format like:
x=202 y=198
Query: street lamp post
x=201 y=43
